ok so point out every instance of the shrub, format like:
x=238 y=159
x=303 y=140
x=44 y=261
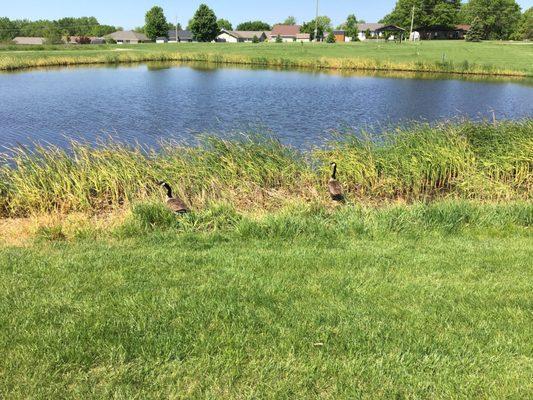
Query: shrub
x=279 y=39
x=475 y=34
x=331 y=37
x=83 y=40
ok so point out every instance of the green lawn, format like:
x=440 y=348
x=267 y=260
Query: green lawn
x=458 y=56
x=293 y=307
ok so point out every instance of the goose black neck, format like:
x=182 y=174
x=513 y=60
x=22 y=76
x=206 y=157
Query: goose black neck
x=334 y=174
x=169 y=190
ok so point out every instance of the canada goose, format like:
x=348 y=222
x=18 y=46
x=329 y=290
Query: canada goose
x=335 y=187
x=174 y=203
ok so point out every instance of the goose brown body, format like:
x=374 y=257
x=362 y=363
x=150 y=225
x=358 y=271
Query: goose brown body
x=174 y=203
x=334 y=186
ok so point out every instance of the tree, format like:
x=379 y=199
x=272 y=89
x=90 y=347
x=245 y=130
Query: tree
x=254 y=26
x=427 y=13
x=445 y=14
x=110 y=40
x=279 y=39
x=83 y=40
x=68 y=26
x=475 y=33
x=204 y=25
x=324 y=25
x=290 y=20
x=103 y=30
x=331 y=37
x=156 y=24
x=499 y=19
x=52 y=35
x=172 y=27
x=224 y=24
x=524 y=29
x=351 y=27
x=255 y=39
x=8 y=30
x=77 y=26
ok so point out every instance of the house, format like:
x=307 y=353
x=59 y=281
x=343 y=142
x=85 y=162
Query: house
x=183 y=36
x=340 y=36
x=241 y=36
x=289 y=33
x=29 y=40
x=162 y=39
x=436 y=32
x=129 y=37
x=369 y=28
x=303 y=37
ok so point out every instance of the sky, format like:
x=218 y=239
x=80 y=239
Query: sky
x=130 y=13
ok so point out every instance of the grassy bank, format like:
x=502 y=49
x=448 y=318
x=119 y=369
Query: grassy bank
x=419 y=301
x=489 y=58
x=421 y=163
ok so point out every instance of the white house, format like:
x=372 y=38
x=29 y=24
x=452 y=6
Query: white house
x=371 y=28
x=241 y=36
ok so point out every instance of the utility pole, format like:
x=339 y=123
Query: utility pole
x=316 y=22
x=412 y=22
x=176 y=29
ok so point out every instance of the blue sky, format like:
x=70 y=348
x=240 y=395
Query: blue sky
x=130 y=13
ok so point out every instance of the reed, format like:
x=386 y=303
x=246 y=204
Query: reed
x=254 y=173
x=17 y=61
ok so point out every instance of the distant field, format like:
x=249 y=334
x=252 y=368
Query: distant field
x=430 y=56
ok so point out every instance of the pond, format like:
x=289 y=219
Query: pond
x=146 y=103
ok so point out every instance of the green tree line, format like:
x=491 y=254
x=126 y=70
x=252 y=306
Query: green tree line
x=84 y=26
x=493 y=19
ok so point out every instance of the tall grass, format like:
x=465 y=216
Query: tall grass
x=16 y=61
x=421 y=163
x=317 y=222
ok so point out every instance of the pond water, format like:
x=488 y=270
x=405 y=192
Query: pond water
x=146 y=103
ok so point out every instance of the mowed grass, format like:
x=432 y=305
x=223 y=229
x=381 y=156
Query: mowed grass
x=493 y=58
x=419 y=302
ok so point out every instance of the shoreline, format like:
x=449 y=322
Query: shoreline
x=127 y=56
x=423 y=163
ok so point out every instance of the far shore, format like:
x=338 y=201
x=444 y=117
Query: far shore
x=450 y=57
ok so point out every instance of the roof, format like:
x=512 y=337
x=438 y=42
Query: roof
x=28 y=40
x=390 y=28
x=371 y=26
x=245 y=34
x=443 y=28
x=339 y=32
x=285 y=30
x=129 y=35
x=182 y=34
